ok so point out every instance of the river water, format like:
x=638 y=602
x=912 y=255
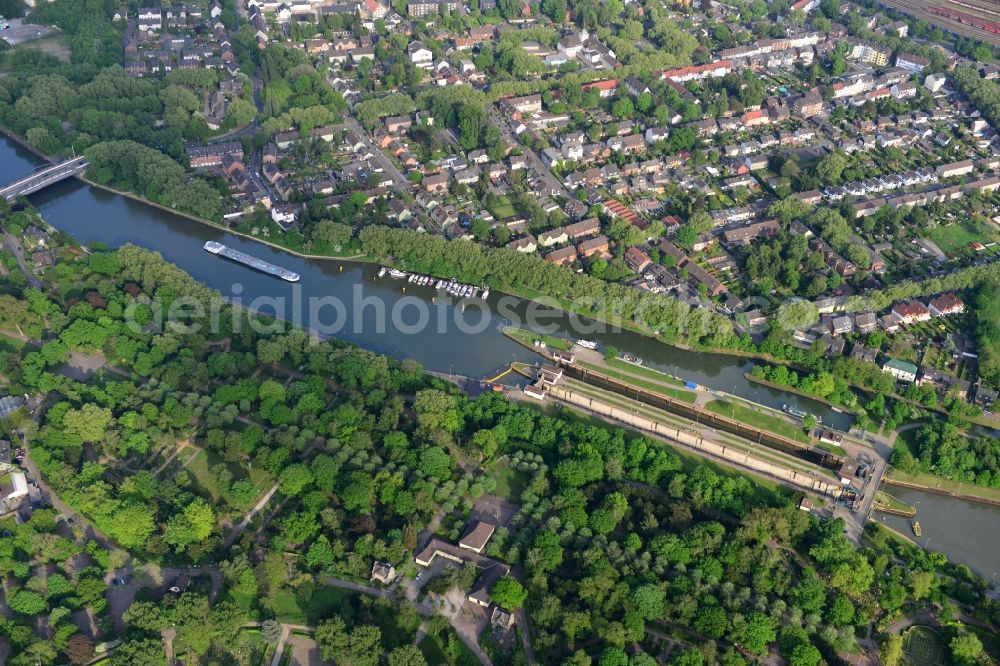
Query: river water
x=474 y=348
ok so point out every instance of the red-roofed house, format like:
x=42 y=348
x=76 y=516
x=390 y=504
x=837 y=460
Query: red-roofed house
x=606 y=87
x=946 y=304
x=910 y=312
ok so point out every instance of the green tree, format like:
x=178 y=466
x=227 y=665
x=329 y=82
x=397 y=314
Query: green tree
x=294 y=479
x=508 y=593
x=965 y=647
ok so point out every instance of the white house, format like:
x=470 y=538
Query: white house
x=420 y=55
x=934 y=82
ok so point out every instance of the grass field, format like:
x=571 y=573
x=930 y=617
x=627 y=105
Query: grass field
x=883 y=499
x=200 y=468
x=755 y=418
x=956 y=237
x=510 y=482
x=503 y=209
x=649 y=373
x=324 y=602
x=923 y=647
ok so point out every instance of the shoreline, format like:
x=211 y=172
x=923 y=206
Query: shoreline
x=889 y=481
x=364 y=259
x=752 y=356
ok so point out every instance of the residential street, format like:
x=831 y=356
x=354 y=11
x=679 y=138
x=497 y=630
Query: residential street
x=553 y=184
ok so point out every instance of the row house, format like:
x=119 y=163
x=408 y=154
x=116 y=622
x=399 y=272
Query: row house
x=207 y=156
x=832 y=258
x=632 y=144
x=844 y=89
x=945 y=305
x=718 y=68
x=636 y=259
x=955 y=169
x=518 y=107
x=605 y=88
x=562 y=256
x=744 y=235
x=598 y=244
x=526 y=244
x=912 y=63
x=910 y=312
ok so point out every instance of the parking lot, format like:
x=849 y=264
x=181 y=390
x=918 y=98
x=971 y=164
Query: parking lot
x=20 y=32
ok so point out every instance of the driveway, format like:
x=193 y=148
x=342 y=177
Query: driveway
x=14 y=247
x=120 y=597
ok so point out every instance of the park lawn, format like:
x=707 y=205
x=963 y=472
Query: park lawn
x=510 y=482
x=758 y=419
x=957 y=236
x=394 y=633
x=324 y=602
x=204 y=460
x=528 y=338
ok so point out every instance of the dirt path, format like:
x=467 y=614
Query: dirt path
x=243 y=524
x=177 y=451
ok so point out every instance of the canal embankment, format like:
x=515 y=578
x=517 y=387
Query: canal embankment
x=594 y=374
x=936 y=490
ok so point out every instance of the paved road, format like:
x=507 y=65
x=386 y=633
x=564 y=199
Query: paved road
x=398 y=179
x=424 y=607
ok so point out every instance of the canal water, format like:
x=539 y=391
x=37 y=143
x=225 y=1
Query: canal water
x=967 y=533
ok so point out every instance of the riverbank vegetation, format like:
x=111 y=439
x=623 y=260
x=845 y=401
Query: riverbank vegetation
x=515 y=272
x=613 y=534
x=987 y=309
x=944 y=450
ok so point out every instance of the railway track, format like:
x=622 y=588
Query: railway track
x=991 y=8
x=920 y=9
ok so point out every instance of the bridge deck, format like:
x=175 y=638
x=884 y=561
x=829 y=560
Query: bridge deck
x=40 y=179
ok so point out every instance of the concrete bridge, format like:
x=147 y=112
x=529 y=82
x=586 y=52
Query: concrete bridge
x=42 y=179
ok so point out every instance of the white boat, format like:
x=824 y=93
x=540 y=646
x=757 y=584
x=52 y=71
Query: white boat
x=382 y=271
x=397 y=274
x=587 y=344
